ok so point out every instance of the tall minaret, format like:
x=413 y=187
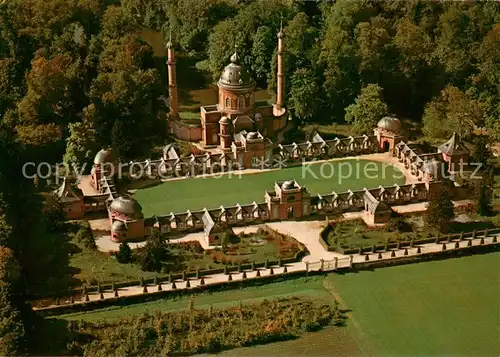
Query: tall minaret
x=279 y=107
x=172 y=82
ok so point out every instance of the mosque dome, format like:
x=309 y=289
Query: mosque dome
x=390 y=124
x=105 y=155
x=288 y=185
x=118 y=226
x=127 y=206
x=235 y=74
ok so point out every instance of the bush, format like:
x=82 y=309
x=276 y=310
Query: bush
x=86 y=236
x=124 y=254
x=496 y=220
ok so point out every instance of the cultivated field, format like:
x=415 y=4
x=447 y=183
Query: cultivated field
x=210 y=192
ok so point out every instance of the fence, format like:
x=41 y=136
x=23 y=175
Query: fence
x=274 y=270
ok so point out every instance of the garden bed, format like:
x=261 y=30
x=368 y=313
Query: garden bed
x=347 y=237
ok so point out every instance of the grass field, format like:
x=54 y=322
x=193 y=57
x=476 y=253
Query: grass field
x=211 y=192
x=447 y=307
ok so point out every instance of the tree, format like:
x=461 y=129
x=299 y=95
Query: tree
x=452 y=111
x=483 y=204
x=262 y=51
x=81 y=145
x=53 y=213
x=304 y=94
x=440 y=210
x=124 y=253
x=481 y=152
x=154 y=252
x=12 y=328
x=367 y=110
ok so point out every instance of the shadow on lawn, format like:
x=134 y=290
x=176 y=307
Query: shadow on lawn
x=53 y=270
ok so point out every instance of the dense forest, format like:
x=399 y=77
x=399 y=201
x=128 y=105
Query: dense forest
x=76 y=75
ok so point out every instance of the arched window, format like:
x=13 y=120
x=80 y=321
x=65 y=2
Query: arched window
x=228 y=102
x=241 y=102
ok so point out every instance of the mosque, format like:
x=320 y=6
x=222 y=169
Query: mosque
x=235 y=132
x=237 y=125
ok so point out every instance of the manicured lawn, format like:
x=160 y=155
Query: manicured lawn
x=445 y=308
x=199 y=192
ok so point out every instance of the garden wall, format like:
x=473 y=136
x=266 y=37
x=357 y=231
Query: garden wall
x=235 y=284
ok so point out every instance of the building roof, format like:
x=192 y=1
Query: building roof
x=119 y=226
x=453 y=146
x=289 y=185
x=390 y=124
x=66 y=193
x=224 y=120
x=374 y=205
x=235 y=75
x=126 y=205
x=106 y=155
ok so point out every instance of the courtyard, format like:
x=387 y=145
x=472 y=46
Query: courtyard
x=229 y=189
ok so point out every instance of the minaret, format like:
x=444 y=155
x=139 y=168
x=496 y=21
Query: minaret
x=172 y=82
x=279 y=107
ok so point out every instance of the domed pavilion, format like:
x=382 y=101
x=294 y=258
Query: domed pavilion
x=105 y=164
x=388 y=133
x=126 y=219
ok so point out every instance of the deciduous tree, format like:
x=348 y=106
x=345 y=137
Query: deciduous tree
x=440 y=210
x=367 y=110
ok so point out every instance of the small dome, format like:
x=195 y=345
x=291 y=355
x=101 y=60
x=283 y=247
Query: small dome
x=252 y=135
x=224 y=120
x=118 y=226
x=258 y=117
x=288 y=185
x=126 y=205
x=390 y=124
x=235 y=75
x=104 y=156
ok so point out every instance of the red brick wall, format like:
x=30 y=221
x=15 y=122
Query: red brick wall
x=184 y=131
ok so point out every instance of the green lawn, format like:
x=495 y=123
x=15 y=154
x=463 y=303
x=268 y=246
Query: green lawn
x=199 y=192
x=445 y=308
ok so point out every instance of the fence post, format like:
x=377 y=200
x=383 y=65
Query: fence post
x=322 y=267
x=336 y=262
x=351 y=258
x=474 y=234
x=307 y=267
